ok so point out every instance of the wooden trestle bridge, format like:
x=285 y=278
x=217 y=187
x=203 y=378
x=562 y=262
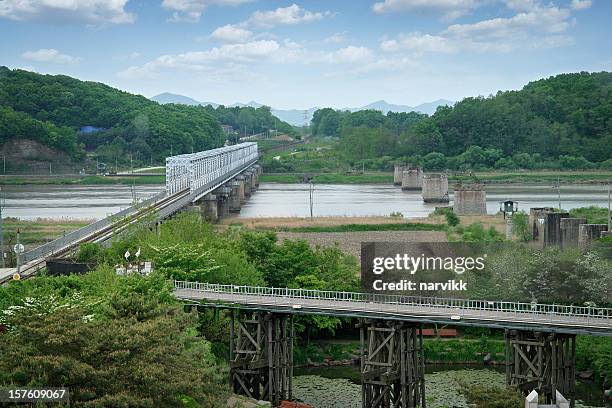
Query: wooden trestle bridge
x=540 y=338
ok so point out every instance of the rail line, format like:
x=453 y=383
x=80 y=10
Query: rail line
x=113 y=229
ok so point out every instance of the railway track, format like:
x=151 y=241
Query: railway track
x=29 y=269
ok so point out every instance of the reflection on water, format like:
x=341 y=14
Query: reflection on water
x=292 y=200
x=75 y=202
x=285 y=200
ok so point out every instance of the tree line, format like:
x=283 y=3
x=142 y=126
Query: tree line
x=77 y=117
x=563 y=121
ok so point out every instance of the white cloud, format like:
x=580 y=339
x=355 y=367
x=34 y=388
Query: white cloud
x=418 y=43
x=550 y=19
x=336 y=38
x=205 y=60
x=449 y=9
x=581 y=4
x=92 y=12
x=231 y=33
x=536 y=26
x=49 y=55
x=191 y=10
x=290 y=15
x=351 y=55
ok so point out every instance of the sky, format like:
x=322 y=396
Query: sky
x=300 y=54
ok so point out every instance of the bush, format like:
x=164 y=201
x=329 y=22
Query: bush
x=451 y=218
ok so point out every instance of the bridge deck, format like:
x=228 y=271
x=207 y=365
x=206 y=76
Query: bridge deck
x=506 y=315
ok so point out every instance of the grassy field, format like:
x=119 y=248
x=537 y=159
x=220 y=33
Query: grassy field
x=406 y=226
x=34 y=233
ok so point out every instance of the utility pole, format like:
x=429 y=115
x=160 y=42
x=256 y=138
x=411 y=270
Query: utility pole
x=609 y=210
x=18 y=251
x=311 y=192
x=2 y=263
x=558 y=187
x=559 y=191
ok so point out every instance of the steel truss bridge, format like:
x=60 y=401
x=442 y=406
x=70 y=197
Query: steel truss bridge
x=540 y=338
x=189 y=177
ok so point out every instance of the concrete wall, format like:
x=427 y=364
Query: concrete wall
x=210 y=208
x=569 y=231
x=536 y=223
x=435 y=188
x=470 y=199
x=589 y=232
x=412 y=178
x=398 y=170
x=552 y=228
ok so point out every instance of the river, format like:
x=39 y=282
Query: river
x=285 y=200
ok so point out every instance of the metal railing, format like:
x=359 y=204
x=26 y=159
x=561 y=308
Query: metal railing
x=51 y=247
x=601 y=315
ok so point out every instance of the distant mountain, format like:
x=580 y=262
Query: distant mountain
x=383 y=106
x=295 y=117
x=167 y=97
x=252 y=104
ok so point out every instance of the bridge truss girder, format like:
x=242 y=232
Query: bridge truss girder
x=392 y=365
x=196 y=171
x=545 y=362
x=261 y=355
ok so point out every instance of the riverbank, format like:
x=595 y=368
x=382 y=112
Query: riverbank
x=532 y=177
x=19 y=180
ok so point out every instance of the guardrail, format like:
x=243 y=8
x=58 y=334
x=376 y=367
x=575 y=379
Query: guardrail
x=51 y=247
x=603 y=315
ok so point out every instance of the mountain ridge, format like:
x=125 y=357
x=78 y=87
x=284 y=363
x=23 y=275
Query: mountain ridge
x=296 y=116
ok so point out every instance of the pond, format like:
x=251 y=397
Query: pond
x=339 y=386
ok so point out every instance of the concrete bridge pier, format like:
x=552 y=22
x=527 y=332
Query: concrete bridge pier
x=241 y=195
x=234 y=197
x=470 y=199
x=258 y=172
x=412 y=178
x=435 y=188
x=209 y=208
x=254 y=178
x=544 y=362
x=222 y=194
x=247 y=183
x=569 y=231
x=252 y=173
x=261 y=355
x=587 y=233
x=392 y=364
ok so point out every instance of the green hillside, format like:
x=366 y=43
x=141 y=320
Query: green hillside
x=76 y=117
x=53 y=108
x=565 y=120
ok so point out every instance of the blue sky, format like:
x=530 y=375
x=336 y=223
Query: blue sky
x=299 y=54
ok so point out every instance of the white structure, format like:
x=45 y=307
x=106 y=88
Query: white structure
x=531 y=401
x=203 y=169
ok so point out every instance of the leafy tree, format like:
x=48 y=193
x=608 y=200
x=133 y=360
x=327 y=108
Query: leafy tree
x=124 y=361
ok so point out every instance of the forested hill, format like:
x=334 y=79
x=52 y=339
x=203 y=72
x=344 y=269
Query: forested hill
x=567 y=116
x=73 y=116
x=53 y=109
